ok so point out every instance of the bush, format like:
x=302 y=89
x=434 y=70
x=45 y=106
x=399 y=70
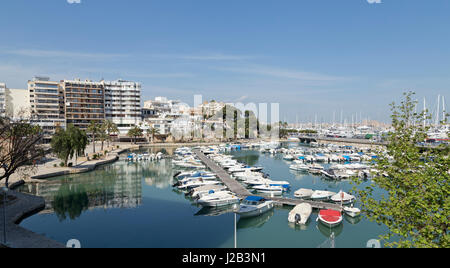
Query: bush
x=95 y=157
x=118 y=147
x=55 y=165
x=61 y=164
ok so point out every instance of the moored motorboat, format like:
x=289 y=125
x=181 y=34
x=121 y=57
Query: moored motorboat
x=303 y=193
x=330 y=217
x=322 y=195
x=253 y=206
x=218 y=199
x=300 y=214
x=352 y=212
x=269 y=189
x=343 y=197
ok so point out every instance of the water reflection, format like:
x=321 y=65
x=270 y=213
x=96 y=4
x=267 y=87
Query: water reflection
x=251 y=158
x=327 y=231
x=352 y=220
x=208 y=211
x=113 y=186
x=255 y=222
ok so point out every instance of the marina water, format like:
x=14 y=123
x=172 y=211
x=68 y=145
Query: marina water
x=134 y=205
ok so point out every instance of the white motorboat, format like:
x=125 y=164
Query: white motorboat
x=199 y=191
x=303 y=193
x=315 y=169
x=322 y=195
x=197 y=183
x=288 y=157
x=193 y=174
x=343 y=197
x=330 y=218
x=352 y=212
x=268 y=189
x=299 y=167
x=254 y=206
x=300 y=214
x=218 y=199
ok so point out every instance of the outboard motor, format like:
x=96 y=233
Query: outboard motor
x=298 y=218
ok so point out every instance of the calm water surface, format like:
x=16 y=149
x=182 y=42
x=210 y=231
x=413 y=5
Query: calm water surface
x=134 y=205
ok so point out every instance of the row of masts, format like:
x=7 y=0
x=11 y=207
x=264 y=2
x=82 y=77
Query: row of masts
x=440 y=116
x=438 y=120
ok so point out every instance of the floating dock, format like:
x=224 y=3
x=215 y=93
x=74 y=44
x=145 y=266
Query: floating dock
x=242 y=192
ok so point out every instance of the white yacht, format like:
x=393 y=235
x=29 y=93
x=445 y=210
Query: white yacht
x=254 y=206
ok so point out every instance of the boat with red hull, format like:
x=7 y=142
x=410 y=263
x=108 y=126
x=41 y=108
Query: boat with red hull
x=330 y=217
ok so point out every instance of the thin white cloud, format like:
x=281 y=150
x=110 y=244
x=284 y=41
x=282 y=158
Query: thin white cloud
x=60 y=54
x=74 y=1
x=204 y=57
x=283 y=73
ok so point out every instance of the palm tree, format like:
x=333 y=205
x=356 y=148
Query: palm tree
x=152 y=131
x=111 y=128
x=135 y=132
x=79 y=141
x=103 y=135
x=94 y=129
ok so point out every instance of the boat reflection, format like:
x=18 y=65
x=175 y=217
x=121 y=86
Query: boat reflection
x=209 y=211
x=352 y=220
x=255 y=222
x=327 y=231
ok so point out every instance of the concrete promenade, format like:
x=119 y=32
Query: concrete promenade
x=20 y=206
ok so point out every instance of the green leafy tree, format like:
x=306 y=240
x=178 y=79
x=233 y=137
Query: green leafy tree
x=78 y=139
x=19 y=147
x=70 y=142
x=415 y=205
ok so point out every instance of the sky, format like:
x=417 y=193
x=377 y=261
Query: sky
x=313 y=57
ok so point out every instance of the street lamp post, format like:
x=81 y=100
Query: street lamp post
x=4 y=191
x=235 y=208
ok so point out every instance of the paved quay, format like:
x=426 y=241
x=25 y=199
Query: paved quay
x=48 y=170
x=19 y=207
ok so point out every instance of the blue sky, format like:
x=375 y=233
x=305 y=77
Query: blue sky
x=311 y=56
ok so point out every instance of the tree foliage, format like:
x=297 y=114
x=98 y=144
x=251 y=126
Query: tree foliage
x=135 y=132
x=19 y=147
x=415 y=206
x=70 y=142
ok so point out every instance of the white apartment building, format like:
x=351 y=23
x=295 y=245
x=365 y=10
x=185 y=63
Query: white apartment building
x=47 y=105
x=18 y=103
x=123 y=104
x=2 y=99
